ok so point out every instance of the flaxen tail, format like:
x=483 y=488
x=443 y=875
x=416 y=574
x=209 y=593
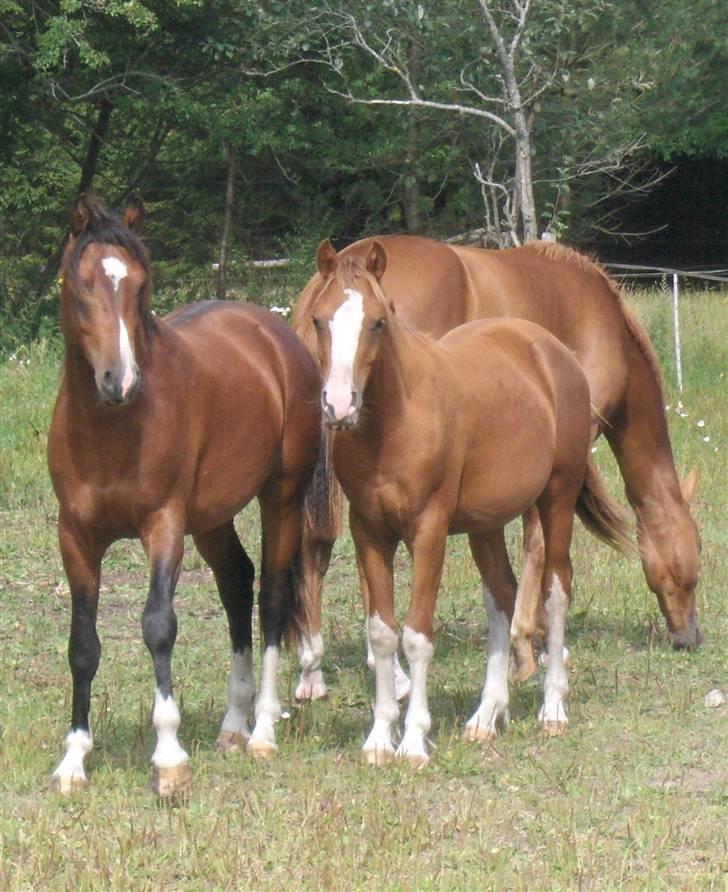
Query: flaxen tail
x=602 y=515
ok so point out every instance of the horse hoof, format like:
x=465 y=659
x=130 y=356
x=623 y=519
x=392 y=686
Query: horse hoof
x=311 y=691
x=377 y=757
x=553 y=728
x=478 y=734
x=67 y=785
x=521 y=671
x=169 y=783
x=416 y=761
x=230 y=742
x=261 y=750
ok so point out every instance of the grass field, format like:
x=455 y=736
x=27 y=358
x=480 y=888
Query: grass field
x=634 y=796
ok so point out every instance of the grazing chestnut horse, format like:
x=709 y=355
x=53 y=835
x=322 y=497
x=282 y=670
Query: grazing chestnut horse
x=435 y=287
x=170 y=426
x=459 y=435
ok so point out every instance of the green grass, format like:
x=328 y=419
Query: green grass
x=634 y=796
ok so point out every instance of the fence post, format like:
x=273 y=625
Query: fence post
x=676 y=327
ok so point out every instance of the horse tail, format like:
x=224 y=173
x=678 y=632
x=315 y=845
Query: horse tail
x=322 y=511
x=602 y=515
x=296 y=611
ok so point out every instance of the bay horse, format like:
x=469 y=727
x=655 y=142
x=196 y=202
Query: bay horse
x=168 y=426
x=459 y=435
x=436 y=286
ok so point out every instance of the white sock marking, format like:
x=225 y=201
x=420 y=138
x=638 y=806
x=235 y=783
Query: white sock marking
x=78 y=745
x=345 y=330
x=386 y=710
x=401 y=679
x=166 y=719
x=494 y=699
x=311 y=684
x=241 y=694
x=267 y=707
x=419 y=651
x=556 y=683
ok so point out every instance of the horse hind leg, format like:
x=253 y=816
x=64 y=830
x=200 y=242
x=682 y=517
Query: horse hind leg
x=316 y=555
x=234 y=574
x=499 y=592
x=281 y=524
x=528 y=612
x=556 y=511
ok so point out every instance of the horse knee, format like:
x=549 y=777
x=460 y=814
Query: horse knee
x=159 y=629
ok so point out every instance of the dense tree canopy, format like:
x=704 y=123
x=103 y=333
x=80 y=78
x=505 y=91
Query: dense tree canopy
x=255 y=128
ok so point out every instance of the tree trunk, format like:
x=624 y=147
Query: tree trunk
x=524 y=179
x=226 y=225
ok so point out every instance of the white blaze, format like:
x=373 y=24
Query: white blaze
x=115 y=269
x=345 y=329
x=128 y=362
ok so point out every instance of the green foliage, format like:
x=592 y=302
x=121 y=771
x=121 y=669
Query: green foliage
x=187 y=83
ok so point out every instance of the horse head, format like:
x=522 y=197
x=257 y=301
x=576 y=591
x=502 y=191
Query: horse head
x=350 y=315
x=105 y=296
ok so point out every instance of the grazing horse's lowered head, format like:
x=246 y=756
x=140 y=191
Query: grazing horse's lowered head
x=105 y=297
x=348 y=332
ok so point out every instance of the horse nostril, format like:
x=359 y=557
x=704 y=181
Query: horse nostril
x=107 y=376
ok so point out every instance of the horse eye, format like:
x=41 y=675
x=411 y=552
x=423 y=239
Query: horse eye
x=316 y=323
x=379 y=324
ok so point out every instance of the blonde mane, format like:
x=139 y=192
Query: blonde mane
x=563 y=254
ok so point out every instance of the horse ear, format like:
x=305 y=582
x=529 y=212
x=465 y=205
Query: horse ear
x=689 y=486
x=326 y=258
x=377 y=261
x=133 y=217
x=80 y=214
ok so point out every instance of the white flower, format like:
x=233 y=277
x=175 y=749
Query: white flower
x=700 y=423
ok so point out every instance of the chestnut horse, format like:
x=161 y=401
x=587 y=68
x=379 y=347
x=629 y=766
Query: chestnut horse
x=170 y=426
x=435 y=287
x=459 y=435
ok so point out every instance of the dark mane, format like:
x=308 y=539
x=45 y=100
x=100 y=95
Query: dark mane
x=105 y=228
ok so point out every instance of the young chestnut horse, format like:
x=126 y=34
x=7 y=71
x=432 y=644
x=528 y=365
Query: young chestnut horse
x=170 y=426
x=435 y=287
x=453 y=436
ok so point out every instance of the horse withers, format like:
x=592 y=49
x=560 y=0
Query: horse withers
x=164 y=427
x=459 y=435
x=435 y=287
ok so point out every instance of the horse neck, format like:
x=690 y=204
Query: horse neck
x=397 y=368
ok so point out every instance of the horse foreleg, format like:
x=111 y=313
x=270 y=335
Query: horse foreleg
x=428 y=556
x=499 y=593
x=82 y=563
x=401 y=679
x=375 y=558
x=234 y=574
x=163 y=542
x=316 y=554
x=525 y=622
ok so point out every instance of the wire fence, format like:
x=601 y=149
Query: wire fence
x=634 y=271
